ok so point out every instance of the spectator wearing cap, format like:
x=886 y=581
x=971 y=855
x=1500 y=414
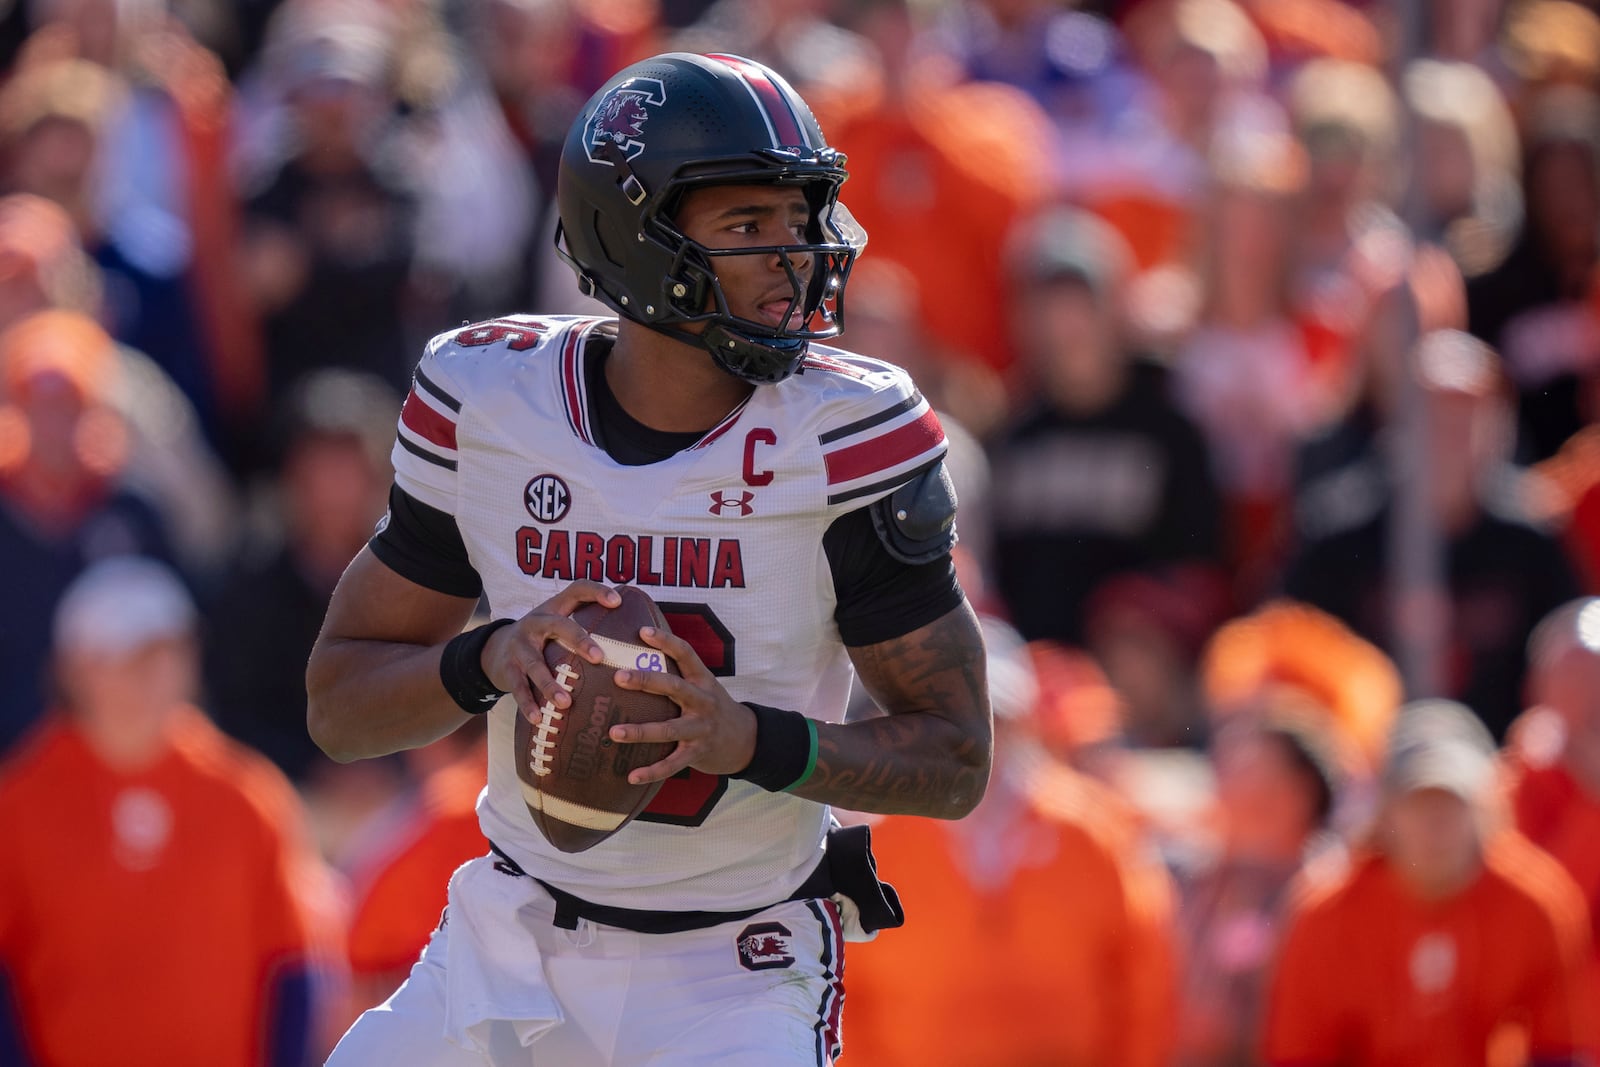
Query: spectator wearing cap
x=1467 y=161
x=333 y=438
x=1450 y=940
x=1099 y=475
x=1046 y=897
x=146 y=862
x=330 y=219
x=1502 y=571
x=1554 y=754
x=63 y=503
x=1100 y=481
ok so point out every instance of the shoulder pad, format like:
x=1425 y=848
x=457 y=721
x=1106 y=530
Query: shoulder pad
x=917 y=522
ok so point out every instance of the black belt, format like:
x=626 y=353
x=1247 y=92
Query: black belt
x=570 y=907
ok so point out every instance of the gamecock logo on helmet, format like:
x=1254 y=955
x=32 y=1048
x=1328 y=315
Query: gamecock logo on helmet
x=620 y=116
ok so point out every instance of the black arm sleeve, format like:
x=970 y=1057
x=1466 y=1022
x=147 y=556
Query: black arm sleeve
x=878 y=597
x=423 y=544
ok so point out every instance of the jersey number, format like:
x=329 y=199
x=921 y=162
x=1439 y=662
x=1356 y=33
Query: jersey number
x=686 y=799
x=519 y=336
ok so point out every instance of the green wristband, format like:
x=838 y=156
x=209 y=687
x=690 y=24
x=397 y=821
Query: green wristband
x=786 y=750
x=811 y=761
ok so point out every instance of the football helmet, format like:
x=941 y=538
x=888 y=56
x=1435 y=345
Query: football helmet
x=664 y=126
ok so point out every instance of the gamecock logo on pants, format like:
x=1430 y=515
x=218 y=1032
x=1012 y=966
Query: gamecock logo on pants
x=765 y=947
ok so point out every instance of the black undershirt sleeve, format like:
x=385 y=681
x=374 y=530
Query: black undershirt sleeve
x=880 y=598
x=423 y=544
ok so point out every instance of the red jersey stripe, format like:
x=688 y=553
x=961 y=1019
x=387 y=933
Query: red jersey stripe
x=785 y=127
x=427 y=423
x=888 y=450
x=825 y=363
x=571 y=373
x=724 y=426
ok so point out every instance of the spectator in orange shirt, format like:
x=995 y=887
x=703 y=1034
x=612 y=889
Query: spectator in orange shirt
x=399 y=884
x=1450 y=943
x=1048 y=938
x=938 y=173
x=1555 y=747
x=152 y=873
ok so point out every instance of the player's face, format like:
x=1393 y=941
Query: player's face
x=757 y=287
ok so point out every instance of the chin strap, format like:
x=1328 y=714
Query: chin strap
x=738 y=355
x=753 y=361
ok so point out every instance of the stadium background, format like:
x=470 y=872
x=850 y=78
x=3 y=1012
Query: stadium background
x=1267 y=334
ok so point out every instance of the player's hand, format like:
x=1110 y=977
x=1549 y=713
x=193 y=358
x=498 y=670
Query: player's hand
x=514 y=656
x=715 y=734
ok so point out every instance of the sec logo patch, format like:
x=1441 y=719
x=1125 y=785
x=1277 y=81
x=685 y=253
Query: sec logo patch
x=547 y=498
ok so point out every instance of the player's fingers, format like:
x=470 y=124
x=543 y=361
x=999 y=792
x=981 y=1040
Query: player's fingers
x=569 y=634
x=681 y=651
x=578 y=593
x=675 y=689
x=546 y=688
x=676 y=761
x=522 y=692
x=679 y=729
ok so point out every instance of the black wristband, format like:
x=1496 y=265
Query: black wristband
x=461 y=669
x=786 y=749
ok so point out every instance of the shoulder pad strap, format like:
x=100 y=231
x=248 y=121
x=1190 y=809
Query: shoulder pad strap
x=917 y=522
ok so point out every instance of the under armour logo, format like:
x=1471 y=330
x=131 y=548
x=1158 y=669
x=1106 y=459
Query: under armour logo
x=724 y=503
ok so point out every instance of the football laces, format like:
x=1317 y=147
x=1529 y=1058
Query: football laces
x=544 y=738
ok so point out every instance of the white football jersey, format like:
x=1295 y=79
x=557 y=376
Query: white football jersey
x=726 y=536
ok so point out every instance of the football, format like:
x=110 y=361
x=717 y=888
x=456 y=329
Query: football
x=574 y=777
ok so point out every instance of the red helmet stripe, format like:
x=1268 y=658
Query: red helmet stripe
x=785 y=126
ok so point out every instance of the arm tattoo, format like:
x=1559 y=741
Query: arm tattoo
x=930 y=754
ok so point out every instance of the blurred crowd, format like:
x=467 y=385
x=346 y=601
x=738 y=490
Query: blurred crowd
x=1227 y=307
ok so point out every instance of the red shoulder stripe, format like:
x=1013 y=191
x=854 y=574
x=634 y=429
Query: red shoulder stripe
x=427 y=423
x=887 y=450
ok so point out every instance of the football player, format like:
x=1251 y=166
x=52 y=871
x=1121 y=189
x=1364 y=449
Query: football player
x=785 y=504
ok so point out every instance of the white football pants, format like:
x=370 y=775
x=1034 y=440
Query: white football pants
x=499 y=985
